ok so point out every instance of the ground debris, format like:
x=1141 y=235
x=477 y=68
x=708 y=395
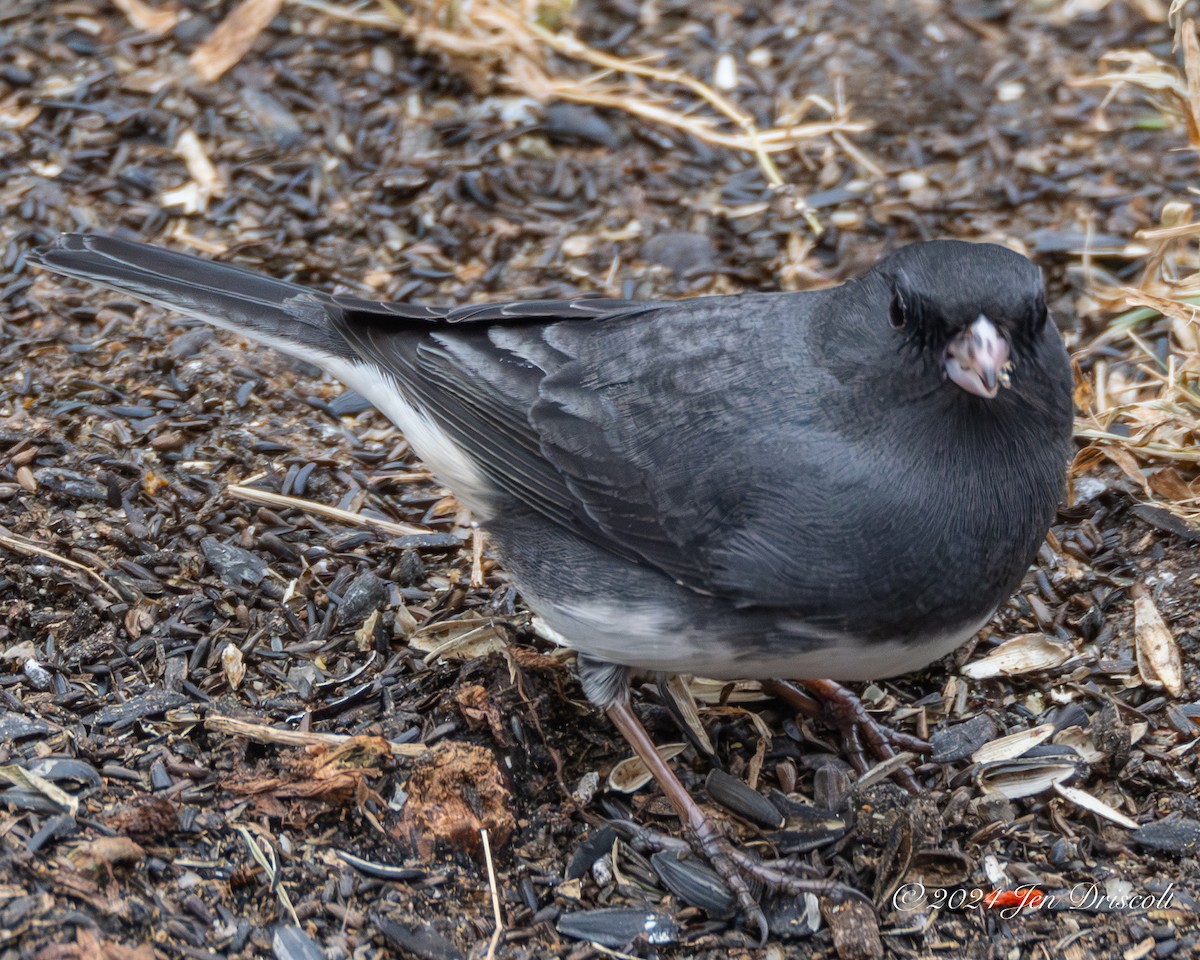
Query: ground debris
x=89 y=945
x=245 y=631
x=855 y=930
x=453 y=794
x=100 y=857
x=326 y=776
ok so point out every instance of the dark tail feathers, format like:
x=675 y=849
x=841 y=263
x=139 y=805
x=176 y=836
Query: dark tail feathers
x=284 y=315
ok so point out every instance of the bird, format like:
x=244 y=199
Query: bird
x=838 y=484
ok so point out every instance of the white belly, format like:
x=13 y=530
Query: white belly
x=649 y=639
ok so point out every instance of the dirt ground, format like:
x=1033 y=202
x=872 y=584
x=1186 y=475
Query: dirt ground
x=160 y=624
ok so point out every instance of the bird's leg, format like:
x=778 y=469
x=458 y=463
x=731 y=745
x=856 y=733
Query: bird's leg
x=733 y=865
x=857 y=726
x=607 y=686
x=706 y=835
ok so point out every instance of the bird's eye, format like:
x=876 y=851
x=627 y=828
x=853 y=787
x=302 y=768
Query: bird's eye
x=898 y=311
x=1040 y=314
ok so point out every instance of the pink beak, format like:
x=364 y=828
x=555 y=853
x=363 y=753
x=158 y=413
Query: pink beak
x=977 y=359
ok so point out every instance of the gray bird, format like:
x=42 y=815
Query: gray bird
x=843 y=483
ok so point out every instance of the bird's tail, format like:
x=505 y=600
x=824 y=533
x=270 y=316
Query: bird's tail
x=284 y=315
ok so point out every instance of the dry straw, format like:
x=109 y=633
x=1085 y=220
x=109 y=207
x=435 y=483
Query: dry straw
x=1144 y=413
x=523 y=47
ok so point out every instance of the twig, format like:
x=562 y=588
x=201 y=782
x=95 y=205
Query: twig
x=21 y=545
x=773 y=140
x=487 y=854
x=295 y=738
x=323 y=510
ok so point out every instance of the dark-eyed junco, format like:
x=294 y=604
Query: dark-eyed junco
x=842 y=483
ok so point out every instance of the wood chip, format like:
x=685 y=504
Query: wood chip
x=153 y=21
x=98 y=857
x=234 y=37
x=205 y=182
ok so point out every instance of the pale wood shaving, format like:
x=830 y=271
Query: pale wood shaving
x=152 y=20
x=233 y=38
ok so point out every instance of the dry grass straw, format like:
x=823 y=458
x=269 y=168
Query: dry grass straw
x=512 y=45
x=1143 y=414
x=1175 y=95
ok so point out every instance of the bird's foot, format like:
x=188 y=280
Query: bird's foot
x=861 y=733
x=737 y=869
x=744 y=876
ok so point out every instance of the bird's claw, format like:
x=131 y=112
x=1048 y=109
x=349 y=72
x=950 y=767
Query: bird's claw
x=861 y=733
x=737 y=868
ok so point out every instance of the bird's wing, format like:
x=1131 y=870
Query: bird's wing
x=656 y=430
x=476 y=372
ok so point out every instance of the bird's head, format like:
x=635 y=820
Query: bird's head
x=976 y=310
